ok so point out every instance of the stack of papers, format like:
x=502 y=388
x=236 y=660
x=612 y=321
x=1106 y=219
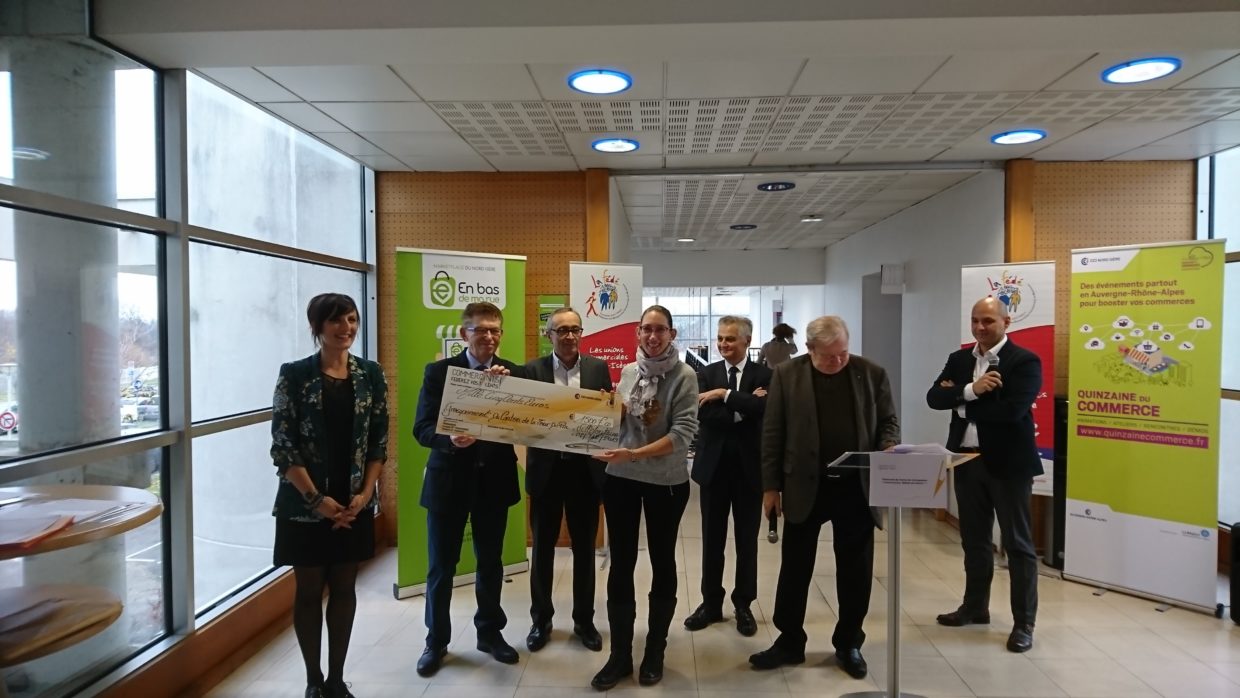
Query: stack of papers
x=24 y=524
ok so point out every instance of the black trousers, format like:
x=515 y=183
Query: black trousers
x=624 y=501
x=730 y=492
x=445 y=531
x=570 y=493
x=842 y=502
x=981 y=498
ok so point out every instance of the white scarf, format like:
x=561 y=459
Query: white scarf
x=650 y=371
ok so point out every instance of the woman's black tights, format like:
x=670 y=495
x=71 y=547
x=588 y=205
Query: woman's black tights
x=340 y=581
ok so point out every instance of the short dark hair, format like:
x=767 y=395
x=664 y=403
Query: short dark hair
x=481 y=311
x=327 y=306
x=783 y=331
x=662 y=311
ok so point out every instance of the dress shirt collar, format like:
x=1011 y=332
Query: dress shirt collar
x=474 y=363
x=994 y=351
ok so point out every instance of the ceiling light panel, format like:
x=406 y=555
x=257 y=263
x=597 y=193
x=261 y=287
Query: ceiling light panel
x=1182 y=105
x=829 y=122
x=596 y=116
x=711 y=126
x=504 y=128
x=940 y=120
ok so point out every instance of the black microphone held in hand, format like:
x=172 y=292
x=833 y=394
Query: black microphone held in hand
x=772 y=535
x=993 y=361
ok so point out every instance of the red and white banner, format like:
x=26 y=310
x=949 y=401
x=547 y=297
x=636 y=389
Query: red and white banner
x=1028 y=291
x=609 y=298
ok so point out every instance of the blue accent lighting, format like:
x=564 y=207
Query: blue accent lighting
x=1025 y=135
x=600 y=82
x=1142 y=70
x=615 y=145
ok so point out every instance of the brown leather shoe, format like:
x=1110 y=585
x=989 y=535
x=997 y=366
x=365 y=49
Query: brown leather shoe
x=964 y=616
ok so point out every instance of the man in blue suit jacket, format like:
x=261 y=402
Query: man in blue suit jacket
x=465 y=479
x=990 y=389
x=728 y=466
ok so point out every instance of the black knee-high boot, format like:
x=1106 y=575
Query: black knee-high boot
x=661 y=613
x=620 y=663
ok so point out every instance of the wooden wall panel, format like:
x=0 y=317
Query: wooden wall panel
x=1096 y=204
x=542 y=215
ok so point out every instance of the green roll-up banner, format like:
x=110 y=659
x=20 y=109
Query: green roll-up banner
x=432 y=288
x=1144 y=370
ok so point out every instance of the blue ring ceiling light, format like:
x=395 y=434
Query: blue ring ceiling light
x=600 y=82
x=615 y=145
x=776 y=186
x=1025 y=135
x=1142 y=70
x=743 y=226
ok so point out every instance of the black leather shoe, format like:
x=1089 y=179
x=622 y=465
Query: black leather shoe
x=745 y=623
x=853 y=663
x=538 y=637
x=314 y=691
x=963 y=616
x=775 y=657
x=499 y=648
x=336 y=688
x=615 y=669
x=1021 y=639
x=651 y=670
x=430 y=661
x=590 y=636
x=702 y=617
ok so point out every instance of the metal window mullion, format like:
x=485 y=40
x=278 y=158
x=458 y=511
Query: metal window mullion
x=370 y=284
x=79 y=456
x=97 y=214
x=215 y=426
x=178 y=490
x=271 y=249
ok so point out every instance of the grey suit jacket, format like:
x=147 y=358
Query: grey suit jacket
x=791 y=463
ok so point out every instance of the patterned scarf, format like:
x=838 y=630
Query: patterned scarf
x=641 y=400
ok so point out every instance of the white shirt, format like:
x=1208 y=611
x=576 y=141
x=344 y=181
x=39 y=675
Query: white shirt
x=565 y=375
x=740 y=371
x=981 y=364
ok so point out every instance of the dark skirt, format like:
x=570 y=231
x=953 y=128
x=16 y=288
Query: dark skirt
x=316 y=544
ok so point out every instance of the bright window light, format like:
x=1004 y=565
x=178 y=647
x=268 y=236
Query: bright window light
x=1142 y=70
x=600 y=82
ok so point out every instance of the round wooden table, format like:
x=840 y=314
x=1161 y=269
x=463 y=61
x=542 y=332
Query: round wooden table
x=145 y=507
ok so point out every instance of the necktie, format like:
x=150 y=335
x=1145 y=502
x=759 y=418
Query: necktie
x=732 y=377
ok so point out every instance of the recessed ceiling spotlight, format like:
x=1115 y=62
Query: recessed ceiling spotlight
x=1142 y=70
x=684 y=239
x=1025 y=135
x=811 y=218
x=615 y=145
x=776 y=186
x=23 y=153
x=600 y=82
x=743 y=226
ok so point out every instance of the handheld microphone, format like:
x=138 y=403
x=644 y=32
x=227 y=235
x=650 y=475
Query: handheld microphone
x=772 y=535
x=993 y=362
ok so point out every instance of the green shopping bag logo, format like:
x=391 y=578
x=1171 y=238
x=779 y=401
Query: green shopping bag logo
x=443 y=288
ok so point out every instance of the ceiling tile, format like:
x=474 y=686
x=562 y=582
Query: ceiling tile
x=425 y=143
x=1082 y=108
x=463 y=82
x=533 y=163
x=250 y=83
x=723 y=78
x=454 y=163
x=800 y=157
x=650 y=142
x=552 y=80
x=1182 y=105
x=504 y=129
x=709 y=160
x=641 y=186
x=977 y=146
x=1187 y=151
x=925 y=122
x=608 y=115
x=709 y=126
x=892 y=154
x=870 y=75
x=303 y=116
x=341 y=83
x=620 y=161
x=384 y=116
x=1006 y=71
x=1108 y=139
x=351 y=143
x=383 y=163
x=642 y=199
x=1219 y=77
x=1210 y=133
x=828 y=123
x=1088 y=75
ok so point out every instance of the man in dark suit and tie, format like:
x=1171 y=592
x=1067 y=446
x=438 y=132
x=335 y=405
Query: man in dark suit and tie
x=990 y=388
x=820 y=406
x=564 y=485
x=465 y=479
x=731 y=402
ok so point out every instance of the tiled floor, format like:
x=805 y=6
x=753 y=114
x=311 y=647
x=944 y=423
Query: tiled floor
x=1087 y=645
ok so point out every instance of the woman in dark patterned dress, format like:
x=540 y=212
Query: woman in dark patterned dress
x=329 y=434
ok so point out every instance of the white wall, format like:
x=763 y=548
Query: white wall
x=730 y=267
x=963 y=225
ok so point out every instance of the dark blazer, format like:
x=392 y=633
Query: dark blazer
x=594 y=376
x=1004 y=418
x=718 y=431
x=454 y=477
x=790 y=460
x=297 y=429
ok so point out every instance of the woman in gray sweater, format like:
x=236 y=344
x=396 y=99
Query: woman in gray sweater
x=647 y=472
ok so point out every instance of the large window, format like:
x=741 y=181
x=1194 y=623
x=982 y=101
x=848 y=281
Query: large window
x=1221 y=179
x=697 y=310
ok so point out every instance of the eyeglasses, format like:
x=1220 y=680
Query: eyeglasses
x=654 y=329
x=566 y=331
x=487 y=331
